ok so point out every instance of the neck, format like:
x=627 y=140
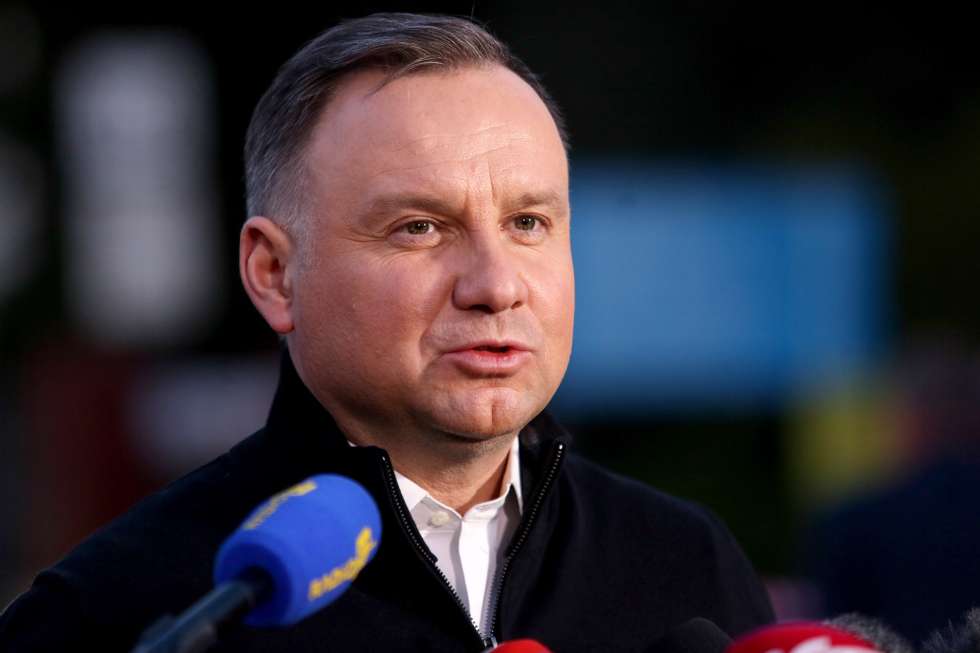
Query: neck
x=457 y=471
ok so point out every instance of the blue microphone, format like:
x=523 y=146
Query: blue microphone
x=295 y=554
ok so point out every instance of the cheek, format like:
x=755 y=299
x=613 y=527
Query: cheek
x=377 y=308
x=554 y=292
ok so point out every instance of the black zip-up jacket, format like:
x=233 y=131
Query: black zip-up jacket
x=598 y=563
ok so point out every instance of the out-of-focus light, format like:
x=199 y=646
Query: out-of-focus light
x=20 y=196
x=135 y=115
x=187 y=412
x=722 y=286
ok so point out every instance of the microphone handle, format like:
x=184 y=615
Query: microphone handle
x=196 y=629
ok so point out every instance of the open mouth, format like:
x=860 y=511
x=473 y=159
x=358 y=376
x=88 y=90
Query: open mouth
x=491 y=359
x=503 y=349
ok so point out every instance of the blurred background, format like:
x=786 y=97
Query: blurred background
x=776 y=214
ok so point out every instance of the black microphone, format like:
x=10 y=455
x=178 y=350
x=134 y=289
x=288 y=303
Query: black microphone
x=698 y=635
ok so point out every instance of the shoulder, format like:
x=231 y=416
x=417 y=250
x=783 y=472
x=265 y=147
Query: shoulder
x=606 y=500
x=667 y=545
x=611 y=496
x=154 y=559
x=185 y=515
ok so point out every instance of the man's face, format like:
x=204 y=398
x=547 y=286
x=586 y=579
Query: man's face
x=438 y=291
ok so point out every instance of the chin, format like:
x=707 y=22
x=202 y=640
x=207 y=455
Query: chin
x=485 y=414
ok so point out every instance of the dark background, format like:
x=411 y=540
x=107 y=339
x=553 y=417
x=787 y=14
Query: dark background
x=894 y=90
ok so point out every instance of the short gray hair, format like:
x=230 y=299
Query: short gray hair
x=399 y=44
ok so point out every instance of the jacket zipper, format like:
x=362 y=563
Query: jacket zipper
x=409 y=528
x=497 y=588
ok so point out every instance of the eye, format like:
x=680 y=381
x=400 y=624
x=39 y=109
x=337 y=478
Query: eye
x=418 y=228
x=528 y=228
x=417 y=233
x=526 y=222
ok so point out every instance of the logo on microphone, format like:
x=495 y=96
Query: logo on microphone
x=273 y=504
x=363 y=547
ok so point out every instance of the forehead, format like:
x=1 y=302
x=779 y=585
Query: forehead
x=446 y=129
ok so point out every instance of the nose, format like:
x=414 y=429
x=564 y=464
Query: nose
x=490 y=278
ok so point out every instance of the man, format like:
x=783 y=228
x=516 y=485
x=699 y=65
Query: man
x=408 y=184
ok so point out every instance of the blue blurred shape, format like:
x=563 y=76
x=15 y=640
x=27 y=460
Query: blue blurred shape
x=721 y=286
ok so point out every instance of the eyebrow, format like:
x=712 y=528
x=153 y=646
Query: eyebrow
x=435 y=204
x=426 y=203
x=547 y=198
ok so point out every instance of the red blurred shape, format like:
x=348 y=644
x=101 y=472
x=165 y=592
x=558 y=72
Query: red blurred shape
x=521 y=646
x=800 y=637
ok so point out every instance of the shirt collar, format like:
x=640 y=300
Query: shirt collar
x=414 y=494
x=514 y=470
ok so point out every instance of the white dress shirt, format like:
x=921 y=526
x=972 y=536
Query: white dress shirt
x=468 y=547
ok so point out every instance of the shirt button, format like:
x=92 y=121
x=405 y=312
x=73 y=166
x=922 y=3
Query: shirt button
x=438 y=519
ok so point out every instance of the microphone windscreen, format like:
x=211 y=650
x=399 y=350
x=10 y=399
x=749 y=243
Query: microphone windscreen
x=521 y=646
x=956 y=638
x=872 y=631
x=800 y=637
x=698 y=635
x=310 y=540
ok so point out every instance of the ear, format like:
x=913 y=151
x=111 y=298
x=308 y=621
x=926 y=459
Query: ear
x=264 y=255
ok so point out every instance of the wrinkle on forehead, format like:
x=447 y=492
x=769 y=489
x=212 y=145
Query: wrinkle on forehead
x=481 y=156
x=482 y=134
x=424 y=143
